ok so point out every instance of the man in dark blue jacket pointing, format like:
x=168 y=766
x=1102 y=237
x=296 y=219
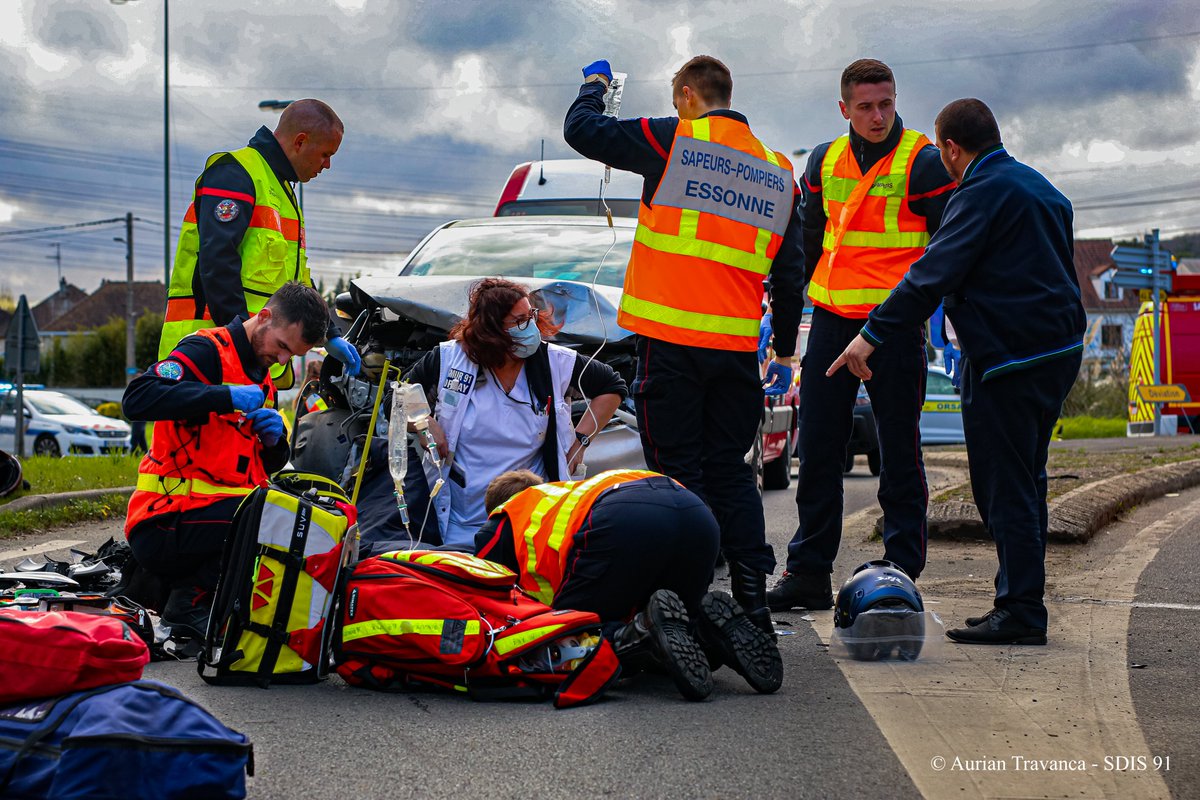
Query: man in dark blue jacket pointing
x=1003 y=261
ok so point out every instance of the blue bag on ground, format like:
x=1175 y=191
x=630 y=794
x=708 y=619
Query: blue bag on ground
x=122 y=742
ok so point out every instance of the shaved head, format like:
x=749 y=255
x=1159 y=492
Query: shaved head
x=308 y=116
x=309 y=133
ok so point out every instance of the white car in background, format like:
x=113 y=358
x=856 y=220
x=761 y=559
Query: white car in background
x=568 y=187
x=58 y=424
x=941 y=415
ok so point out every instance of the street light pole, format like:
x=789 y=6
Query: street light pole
x=166 y=149
x=166 y=139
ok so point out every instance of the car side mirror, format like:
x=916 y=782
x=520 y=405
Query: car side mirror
x=28 y=414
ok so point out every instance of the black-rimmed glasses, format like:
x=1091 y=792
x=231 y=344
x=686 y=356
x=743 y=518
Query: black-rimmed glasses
x=522 y=323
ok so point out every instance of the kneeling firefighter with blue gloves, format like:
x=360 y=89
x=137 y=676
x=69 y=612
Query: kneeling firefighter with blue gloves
x=217 y=435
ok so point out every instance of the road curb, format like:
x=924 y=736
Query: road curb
x=1077 y=515
x=35 y=502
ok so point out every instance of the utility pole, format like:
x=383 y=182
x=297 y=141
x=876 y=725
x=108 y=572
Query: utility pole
x=57 y=260
x=130 y=367
x=1152 y=240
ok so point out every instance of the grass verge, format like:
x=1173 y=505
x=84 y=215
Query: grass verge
x=75 y=473
x=1090 y=428
x=107 y=506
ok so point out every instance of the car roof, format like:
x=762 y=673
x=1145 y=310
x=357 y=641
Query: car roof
x=577 y=221
x=576 y=177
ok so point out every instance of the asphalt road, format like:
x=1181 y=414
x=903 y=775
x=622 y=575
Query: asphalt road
x=814 y=738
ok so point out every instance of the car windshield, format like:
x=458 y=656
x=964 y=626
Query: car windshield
x=552 y=251
x=938 y=384
x=57 y=404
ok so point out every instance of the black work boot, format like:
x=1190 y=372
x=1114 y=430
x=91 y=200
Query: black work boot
x=812 y=590
x=660 y=636
x=186 y=612
x=971 y=622
x=999 y=627
x=725 y=629
x=750 y=591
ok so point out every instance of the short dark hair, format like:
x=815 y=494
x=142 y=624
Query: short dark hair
x=507 y=485
x=865 y=70
x=969 y=123
x=299 y=303
x=708 y=77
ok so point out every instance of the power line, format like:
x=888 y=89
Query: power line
x=1155 y=202
x=771 y=73
x=63 y=227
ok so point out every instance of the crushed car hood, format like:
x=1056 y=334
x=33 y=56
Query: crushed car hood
x=441 y=301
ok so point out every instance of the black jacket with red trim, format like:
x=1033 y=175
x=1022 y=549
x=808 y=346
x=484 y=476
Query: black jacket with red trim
x=928 y=191
x=186 y=386
x=642 y=146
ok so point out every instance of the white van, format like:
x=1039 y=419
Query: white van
x=568 y=186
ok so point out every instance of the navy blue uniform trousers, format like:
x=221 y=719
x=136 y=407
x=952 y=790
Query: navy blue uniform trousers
x=1008 y=422
x=638 y=538
x=897 y=391
x=698 y=411
x=184 y=548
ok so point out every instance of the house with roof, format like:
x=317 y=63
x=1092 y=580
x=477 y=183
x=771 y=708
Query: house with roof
x=55 y=305
x=1111 y=310
x=98 y=308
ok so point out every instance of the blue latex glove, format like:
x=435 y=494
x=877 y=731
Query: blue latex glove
x=953 y=362
x=246 y=398
x=764 y=338
x=267 y=425
x=346 y=353
x=777 y=380
x=600 y=67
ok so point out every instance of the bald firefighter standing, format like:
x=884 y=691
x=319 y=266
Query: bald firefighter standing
x=243 y=234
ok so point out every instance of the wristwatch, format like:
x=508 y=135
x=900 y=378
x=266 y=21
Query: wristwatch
x=583 y=438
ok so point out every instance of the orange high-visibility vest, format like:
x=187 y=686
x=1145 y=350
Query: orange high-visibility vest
x=871 y=236
x=544 y=521
x=192 y=465
x=707 y=239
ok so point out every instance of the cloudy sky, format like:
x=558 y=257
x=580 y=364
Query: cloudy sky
x=441 y=99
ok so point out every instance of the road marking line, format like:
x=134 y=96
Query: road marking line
x=1134 y=604
x=1068 y=701
x=44 y=547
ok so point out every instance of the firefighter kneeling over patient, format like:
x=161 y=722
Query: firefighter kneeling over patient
x=217 y=435
x=638 y=549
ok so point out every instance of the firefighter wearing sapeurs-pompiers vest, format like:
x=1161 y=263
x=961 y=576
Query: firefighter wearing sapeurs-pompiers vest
x=217 y=435
x=717 y=216
x=243 y=234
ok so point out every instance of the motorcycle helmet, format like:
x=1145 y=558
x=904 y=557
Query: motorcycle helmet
x=896 y=624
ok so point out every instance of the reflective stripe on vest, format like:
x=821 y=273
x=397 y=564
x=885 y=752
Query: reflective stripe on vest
x=190 y=466
x=708 y=237
x=272 y=252
x=544 y=519
x=871 y=237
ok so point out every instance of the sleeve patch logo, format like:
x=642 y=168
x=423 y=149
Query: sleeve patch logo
x=171 y=370
x=226 y=211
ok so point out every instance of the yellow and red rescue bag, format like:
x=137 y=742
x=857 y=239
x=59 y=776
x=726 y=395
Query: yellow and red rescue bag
x=413 y=618
x=284 y=561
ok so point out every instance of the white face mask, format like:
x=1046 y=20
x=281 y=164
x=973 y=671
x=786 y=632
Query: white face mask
x=527 y=341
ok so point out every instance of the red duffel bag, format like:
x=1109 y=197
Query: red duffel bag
x=48 y=653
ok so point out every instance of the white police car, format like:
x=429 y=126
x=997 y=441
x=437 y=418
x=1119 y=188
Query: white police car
x=57 y=423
